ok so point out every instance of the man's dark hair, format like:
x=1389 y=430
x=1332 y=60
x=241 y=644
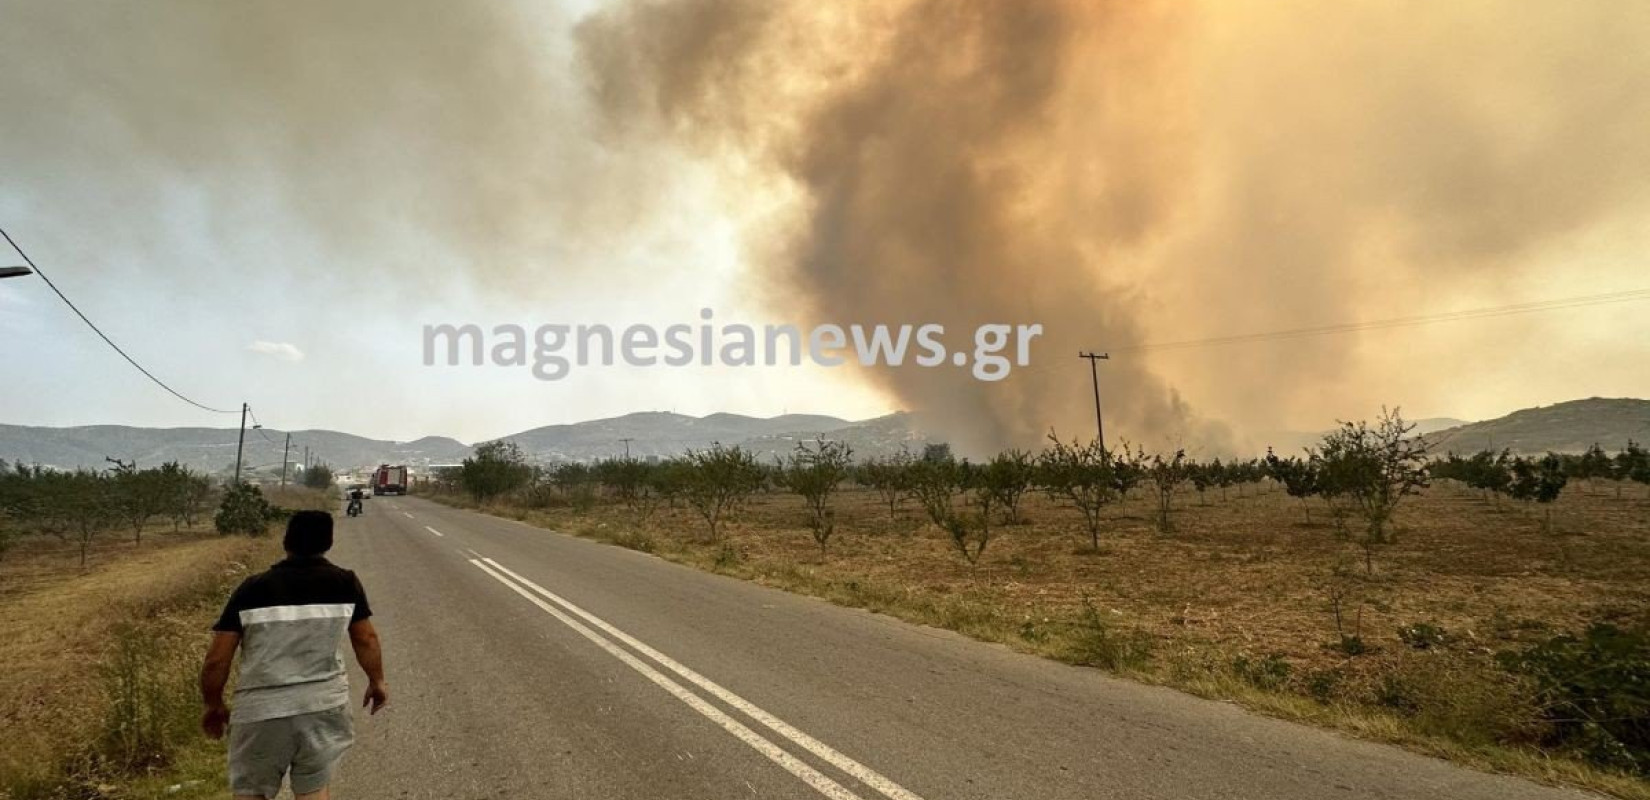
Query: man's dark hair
x=308 y=533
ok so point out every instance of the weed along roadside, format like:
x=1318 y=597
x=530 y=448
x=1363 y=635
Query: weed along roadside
x=102 y=697
x=1504 y=636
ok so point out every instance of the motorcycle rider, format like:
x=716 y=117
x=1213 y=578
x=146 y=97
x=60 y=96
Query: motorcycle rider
x=355 y=508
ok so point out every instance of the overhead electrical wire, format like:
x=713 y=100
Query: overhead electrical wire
x=1396 y=322
x=105 y=337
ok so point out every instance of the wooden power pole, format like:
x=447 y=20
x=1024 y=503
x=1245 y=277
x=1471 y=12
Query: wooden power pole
x=1094 y=374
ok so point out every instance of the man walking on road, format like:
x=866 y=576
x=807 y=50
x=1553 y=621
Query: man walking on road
x=292 y=710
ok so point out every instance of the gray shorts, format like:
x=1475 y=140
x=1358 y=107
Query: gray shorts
x=308 y=745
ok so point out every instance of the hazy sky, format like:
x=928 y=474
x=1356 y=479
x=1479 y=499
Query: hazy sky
x=266 y=202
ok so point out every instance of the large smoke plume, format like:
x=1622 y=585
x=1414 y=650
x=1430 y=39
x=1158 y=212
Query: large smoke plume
x=1122 y=170
x=1117 y=170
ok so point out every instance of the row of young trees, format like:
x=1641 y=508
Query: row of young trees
x=968 y=500
x=1362 y=471
x=81 y=505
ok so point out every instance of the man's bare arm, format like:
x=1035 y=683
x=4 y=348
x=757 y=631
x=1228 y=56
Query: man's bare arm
x=363 y=638
x=220 y=655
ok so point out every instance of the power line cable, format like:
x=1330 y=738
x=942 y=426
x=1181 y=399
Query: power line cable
x=102 y=335
x=1398 y=322
x=1556 y=304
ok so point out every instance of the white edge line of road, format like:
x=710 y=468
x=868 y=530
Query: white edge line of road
x=790 y=763
x=434 y=531
x=859 y=771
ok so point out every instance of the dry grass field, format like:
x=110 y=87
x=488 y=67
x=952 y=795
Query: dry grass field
x=74 y=641
x=1236 y=601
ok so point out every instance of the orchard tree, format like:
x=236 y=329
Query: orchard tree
x=188 y=494
x=1127 y=469
x=1593 y=465
x=669 y=479
x=1538 y=481
x=1202 y=477
x=890 y=477
x=718 y=480
x=1632 y=464
x=496 y=468
x=1375 y=468
x=1083 y=475
x=814 y=471
x=140 y=495
x=1166 y=474
x=1006 y=478
x=627 y=477
x=1299 y=478
x=935 y=480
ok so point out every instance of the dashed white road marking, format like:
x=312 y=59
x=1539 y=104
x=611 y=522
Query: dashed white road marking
x=434 y=531
x=774 y=753
x=405 y=514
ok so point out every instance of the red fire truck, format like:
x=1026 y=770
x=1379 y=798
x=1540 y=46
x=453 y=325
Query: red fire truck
x=390 y=480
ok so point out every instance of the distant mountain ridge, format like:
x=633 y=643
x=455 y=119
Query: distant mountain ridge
x=1564 y=427
x=1569 y=427
x=652 y=434
x=211 y=449
x=1293 y=442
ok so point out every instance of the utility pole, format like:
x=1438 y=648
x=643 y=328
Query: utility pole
x=627 y=448
x=240 y=444
x=287 y=448
x=306 y=462
x=1094 y=373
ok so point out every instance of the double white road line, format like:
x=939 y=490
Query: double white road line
x=593 y=628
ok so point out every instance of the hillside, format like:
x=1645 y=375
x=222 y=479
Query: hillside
x=651 y=434
x=662 y=434
x=1569 y=427
x=211 y=449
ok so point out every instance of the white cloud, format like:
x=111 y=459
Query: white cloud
x=285 y=351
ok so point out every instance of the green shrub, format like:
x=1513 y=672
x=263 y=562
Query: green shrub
x=1595 y=689
x=1469 y=702
x=729 y=556
x=244 y=510
x=641 y=541
x=1097 y=643
x=1322 y=684
x=1269 y=673
x=1351 y=645
x=151 y=711
x=1422 y=635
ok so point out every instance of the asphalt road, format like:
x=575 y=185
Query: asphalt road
x=523 y=663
